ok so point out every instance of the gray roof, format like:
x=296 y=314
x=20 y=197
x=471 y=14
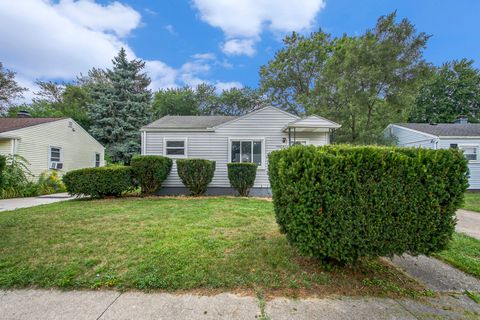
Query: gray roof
x=446 y=129
x=9 y=124
x=188 y=122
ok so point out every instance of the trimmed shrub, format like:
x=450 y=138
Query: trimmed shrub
x=196 y=174
x=149 y=172
x=99 y=182
x=242 y=176
x=343 y=203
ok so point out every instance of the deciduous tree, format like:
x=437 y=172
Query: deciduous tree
x=453 y=91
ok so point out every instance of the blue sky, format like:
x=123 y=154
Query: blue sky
x=217 y=41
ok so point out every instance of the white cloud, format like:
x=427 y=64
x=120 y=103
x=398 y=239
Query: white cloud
x=239 y=47
x=170 y=29
x=204 y=56
x=114 y=17
x=227 y=85
x=37 y=41
x=161 y=74
x=42 y=39
x=246 y=19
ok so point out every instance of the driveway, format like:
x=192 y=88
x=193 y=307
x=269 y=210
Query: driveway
x=16 y=203
x=468 y=223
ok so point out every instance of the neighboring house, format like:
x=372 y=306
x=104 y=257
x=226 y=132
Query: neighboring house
x=224 y=139
x=50 y=143
x=462 y=135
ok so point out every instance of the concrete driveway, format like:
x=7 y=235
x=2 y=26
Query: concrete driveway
x=468 y=223
x=17 y=203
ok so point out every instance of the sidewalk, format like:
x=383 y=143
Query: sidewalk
x=72 y=305
x=16 y=203
x=468 y=222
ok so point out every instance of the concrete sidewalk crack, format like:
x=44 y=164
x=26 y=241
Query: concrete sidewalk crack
x=406 y=309
x=3 y=294
x=114 y=300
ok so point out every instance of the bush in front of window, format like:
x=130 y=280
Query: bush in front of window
x=149 y=172
x=99 y=182
x=196 y=174
x=242 y=176
x=343 y=203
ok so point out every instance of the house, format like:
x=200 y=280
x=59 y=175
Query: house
x=49 y=143
x=462 y=135
x=224 y=139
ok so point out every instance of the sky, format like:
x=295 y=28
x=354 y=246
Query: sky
x=222 y=42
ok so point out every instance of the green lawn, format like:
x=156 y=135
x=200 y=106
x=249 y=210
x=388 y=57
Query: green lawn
x=472 y=201
x=211 y=244
x=463 y=253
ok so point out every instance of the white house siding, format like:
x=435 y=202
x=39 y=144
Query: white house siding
x=409 y=138
x=265 y=124
x=473 y=166
x=5 y=146
x=78 y=147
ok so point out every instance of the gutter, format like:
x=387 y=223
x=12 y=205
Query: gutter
x=177 y=130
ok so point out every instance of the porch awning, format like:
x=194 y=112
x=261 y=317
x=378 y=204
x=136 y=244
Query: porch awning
x=311 y=123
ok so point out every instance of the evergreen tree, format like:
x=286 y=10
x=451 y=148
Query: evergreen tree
x=120 y=107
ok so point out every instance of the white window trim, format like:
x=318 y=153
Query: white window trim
x=263 y=156
x=95 y=159
x=50 y=154
x=476 y=146
x=185 y=140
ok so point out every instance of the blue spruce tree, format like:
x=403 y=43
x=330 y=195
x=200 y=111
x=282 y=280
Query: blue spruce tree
x=120 y=107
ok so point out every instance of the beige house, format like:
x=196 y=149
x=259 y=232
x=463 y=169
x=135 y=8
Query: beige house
x=50 y=143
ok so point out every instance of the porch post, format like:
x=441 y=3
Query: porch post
x=289 y=134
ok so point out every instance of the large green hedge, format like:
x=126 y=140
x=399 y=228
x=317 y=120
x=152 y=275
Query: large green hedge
x=196 y=174
x=242 y=176
x=343 y=203
x=150 y=171
x=99 y=182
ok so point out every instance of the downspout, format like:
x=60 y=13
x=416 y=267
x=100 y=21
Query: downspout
x=14 y=146
x=435 y=143
x=289 y=136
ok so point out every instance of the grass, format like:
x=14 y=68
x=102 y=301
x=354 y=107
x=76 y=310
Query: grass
x=463 y=253
x=472 y=201
x=173 y=244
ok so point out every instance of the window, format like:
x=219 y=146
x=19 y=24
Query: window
x=97 y=159
x=246 y=151
x=175 y=147
x=470 y=152
x=55 y=158
x=55 y=155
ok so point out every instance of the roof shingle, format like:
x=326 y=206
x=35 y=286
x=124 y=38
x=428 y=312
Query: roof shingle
x=9 y=124
x=188 y=122
x=445 y=129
